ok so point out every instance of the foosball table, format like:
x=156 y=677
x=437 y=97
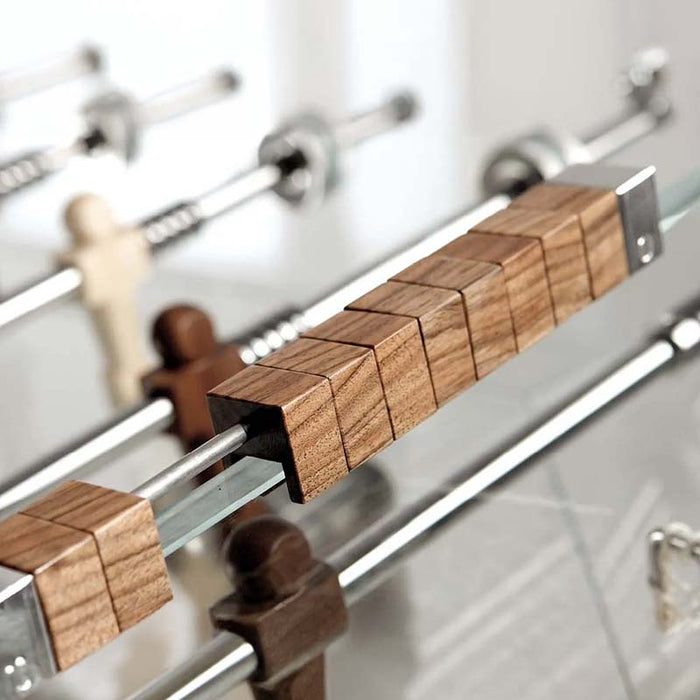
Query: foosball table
x=440 y=386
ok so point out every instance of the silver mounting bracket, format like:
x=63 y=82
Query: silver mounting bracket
x=26 y=653
x=637 y=201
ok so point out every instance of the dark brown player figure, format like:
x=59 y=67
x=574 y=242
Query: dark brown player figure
x=287 y=605
x=193 y=363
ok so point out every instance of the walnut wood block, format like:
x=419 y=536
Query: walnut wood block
x=603 y=234
x=526 y=279
x=483 y=290
x=560 y=237
x=127 y=541
x=400 y=356
x=357 y=390
x=443 y=326
x=292 y=419
x=70 y=580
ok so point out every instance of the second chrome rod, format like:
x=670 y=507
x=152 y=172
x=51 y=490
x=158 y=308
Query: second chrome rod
x=298 y=162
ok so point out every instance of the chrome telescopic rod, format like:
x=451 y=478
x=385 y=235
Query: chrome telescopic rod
x=186 y=218
x=21 y=82
x=115 y=122
x=193 y=463
x=174 y=223
x=616 y=136
x=89 y=451
x=227 y=660
x=124 y=429
x=186 y=98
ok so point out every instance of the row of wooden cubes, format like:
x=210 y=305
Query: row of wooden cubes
x=330 y=400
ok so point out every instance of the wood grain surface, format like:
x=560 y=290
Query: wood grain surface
x=127 y=541
x=70 y=580
x=483 y=290
x=560 y=237
x=352 y=371
x=398 y=348
x=293 y=420
x=601 y=225
x=443 y=326
x=526 y=279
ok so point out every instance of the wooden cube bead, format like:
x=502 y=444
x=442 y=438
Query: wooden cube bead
x=70 y=581
x=443 y=326
x=485 y=300
x=559 y=235
x=526 y=279
x=292 y=420
x=127 y=542
x=352 y=371
x=601 y=226
x=398 y=348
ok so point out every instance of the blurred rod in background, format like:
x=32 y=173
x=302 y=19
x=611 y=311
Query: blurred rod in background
x=22 y=82
x=299 y=162
x=115 y=122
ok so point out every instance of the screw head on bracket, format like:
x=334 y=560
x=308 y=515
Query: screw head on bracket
x=306 y=152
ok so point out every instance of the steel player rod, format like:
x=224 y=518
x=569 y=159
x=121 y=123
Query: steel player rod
x=144 y=420
x=21 y=82
x=227 y=660
x=632 y=127
x=186 y=98
x=173 y=223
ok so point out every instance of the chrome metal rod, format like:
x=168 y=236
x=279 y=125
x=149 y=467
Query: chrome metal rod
x=174 y=223
x=213 y=670
x=60 y=286
x=113 y=121
x=21 y=82
x=193 y=463
x=238 y=190
x=374 y=122
x=188 y=97
x=90 y=451
x=617 y=136
x=364 y=567
x=184 y=219
x=225 y=662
